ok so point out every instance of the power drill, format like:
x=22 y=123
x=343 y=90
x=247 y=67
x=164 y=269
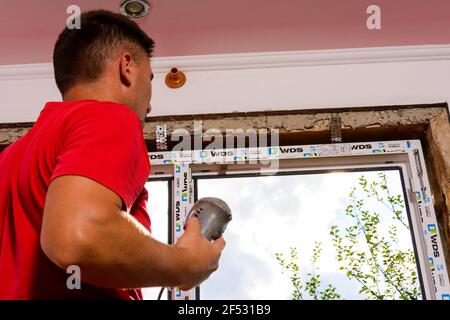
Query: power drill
x=213 y=215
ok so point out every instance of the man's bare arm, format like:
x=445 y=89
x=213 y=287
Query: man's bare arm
x=84 y=225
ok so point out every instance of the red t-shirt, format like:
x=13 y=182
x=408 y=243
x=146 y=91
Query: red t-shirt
x=102 y=141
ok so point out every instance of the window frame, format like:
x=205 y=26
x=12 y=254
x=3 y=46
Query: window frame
x=188 y=165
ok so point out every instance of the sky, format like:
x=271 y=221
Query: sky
x=270 y=215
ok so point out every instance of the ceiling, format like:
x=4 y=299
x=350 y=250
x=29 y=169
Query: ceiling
x=198 y=27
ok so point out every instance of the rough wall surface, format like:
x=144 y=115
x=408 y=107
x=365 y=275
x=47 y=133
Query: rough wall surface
x=438 y=166
x=295 y=122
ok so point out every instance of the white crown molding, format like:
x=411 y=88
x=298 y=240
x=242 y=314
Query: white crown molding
x=263 y=60
x=26 y=71
x=303 y=58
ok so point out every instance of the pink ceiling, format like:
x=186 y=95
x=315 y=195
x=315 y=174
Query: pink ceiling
x=195 y=27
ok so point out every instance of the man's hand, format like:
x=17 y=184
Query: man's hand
x=201 y=256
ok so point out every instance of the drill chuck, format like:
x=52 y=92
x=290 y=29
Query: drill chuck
x=213 y=215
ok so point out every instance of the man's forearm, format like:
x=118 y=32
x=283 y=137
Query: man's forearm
x=120 y=253
x=83 y=225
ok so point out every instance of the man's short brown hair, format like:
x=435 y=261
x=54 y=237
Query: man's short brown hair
x=80 y=54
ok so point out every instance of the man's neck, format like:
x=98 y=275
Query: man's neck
x=89 y=93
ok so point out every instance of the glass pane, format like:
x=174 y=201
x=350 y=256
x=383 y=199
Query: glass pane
x=158 y=201
x=272 y=214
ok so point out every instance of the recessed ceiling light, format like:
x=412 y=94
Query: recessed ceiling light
x=134 y=8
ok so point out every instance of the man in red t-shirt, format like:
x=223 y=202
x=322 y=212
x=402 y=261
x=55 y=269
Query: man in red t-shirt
x=72 y=189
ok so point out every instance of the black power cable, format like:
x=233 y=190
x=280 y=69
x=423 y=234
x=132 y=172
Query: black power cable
x=160 y=293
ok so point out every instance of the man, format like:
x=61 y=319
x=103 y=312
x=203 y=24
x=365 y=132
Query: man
x=72 y=189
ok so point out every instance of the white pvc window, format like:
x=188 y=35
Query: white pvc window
x=315 y=178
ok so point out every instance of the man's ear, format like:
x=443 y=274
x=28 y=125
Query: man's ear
x=125 y=66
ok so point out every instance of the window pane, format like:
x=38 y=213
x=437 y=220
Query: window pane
x=272 y=214
x=158 y=202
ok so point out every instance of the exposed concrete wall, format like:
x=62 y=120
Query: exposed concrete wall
x=292 y=122
x=304 y=121
x=438 y=165
x=8 y=135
